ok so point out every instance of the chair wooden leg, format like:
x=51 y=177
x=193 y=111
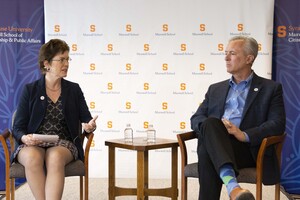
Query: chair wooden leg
x=81 y=187
x=258 y=191
x=184 y=188
x=277 y=191
x=86 y=187
x=7 y=189
x=13 y=188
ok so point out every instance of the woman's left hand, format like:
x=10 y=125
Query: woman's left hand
x=91 y=126
x=29 y=140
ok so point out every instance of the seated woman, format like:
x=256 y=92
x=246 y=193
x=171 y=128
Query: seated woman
x=50 y=106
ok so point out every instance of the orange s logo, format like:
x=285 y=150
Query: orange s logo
x=56 y=28
x=165 y=67
x=146 y=124
x=74 y=47
x=109 y=86
x=202 y=27
x=164 y=105
x=202 y=66
x=182 y=125
x=92 y=66
x=93 y=143
x=92 y=105
x=220 y=47
x=183 y=47
x=128 y=105
x=109 y=124
x=259 y=47
x=128 y=28
x=146 y=86
x=182 y=86
x=110 y=47
x=240 y=27
x=128 y=66
x=165 y=27
x=146 y=47
x=92 y=28
x=281 y=31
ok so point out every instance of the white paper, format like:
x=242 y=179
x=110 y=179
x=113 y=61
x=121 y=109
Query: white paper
x=46 y=138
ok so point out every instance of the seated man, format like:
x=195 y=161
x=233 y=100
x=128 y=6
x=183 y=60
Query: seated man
x=234 y=118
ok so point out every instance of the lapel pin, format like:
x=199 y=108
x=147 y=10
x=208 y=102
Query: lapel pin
x=255 y=89
x=42 y=98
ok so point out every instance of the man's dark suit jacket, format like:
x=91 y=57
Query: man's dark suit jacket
x=263 y=116
x=33 y=104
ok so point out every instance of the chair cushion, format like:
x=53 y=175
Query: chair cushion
x=246 y=175
x=191 y=170
x=75 y=168
x=17 y=171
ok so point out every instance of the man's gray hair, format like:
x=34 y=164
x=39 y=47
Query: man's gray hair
x=250 y=45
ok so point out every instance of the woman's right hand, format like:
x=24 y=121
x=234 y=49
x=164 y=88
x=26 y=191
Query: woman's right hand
x=29 y=140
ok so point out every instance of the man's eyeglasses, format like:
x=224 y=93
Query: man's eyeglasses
x=63 y=60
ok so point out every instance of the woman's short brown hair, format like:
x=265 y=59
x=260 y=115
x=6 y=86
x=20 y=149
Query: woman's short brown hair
x=51 y=49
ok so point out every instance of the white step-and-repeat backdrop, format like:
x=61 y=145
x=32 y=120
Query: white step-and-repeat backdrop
x=150 y=62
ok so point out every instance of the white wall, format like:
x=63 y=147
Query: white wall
x=143 y=62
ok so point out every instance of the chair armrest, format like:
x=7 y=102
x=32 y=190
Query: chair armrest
x=182 y=138
x=5 y=136
x=5 y=133
x=272 y=140
x=89 y=137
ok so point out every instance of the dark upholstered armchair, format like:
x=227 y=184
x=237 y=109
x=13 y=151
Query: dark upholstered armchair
x=16 y=170
x=247 y=175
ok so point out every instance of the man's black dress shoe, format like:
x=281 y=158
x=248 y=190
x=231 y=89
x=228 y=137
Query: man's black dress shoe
x=241 y=194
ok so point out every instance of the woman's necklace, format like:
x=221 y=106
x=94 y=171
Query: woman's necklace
x=53 y=90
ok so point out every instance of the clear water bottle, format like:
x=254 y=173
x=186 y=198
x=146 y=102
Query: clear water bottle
x=128 y=134
x=151 y=134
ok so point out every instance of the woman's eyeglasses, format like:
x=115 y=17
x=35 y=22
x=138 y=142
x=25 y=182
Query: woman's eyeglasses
x=62 y=60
